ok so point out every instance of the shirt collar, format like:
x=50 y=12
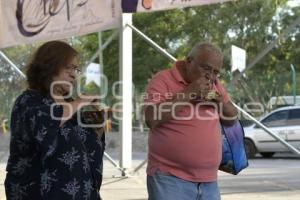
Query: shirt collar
x=175 y=72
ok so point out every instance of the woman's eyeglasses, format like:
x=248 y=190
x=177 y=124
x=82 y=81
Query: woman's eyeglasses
x=73 y=68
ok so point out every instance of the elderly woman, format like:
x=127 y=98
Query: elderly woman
x=51 y=155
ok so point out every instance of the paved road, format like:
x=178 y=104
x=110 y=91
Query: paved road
x=265 y=179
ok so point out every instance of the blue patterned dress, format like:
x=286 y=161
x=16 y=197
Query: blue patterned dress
x=48 y=161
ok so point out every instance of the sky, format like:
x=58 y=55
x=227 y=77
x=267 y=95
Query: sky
x=294 y=3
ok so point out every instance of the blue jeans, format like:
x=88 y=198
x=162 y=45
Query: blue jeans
x=168 y=187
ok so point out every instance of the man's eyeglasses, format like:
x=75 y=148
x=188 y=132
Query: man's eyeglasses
x=73 y=68
x=208 y=69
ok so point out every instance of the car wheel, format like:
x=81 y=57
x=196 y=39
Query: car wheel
x=250 y=148
x=267 y=154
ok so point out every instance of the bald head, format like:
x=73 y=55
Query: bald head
x=204 y=59
x=204 y=47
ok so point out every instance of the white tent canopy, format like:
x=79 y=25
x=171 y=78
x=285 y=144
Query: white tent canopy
x=27 y=21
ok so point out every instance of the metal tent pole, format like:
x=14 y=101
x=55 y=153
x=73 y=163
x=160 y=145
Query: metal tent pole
x=12 y=64
x=152 y=43
x=125 y=126
x=282 y=141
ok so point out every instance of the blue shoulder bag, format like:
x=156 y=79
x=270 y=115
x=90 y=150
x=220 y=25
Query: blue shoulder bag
x=234 y=157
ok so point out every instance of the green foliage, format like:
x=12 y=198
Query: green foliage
x=11 y=82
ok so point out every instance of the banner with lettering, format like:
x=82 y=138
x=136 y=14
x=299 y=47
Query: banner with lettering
x=26 y=21
x=131 y=6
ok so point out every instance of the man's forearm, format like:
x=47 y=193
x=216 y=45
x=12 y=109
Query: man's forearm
x=228 y=113
x=163 y=112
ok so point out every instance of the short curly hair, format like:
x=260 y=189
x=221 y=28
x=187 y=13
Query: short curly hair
x=206 y=47
x=46 y=63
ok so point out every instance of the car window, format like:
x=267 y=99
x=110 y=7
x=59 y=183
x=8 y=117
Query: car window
x=276 y=119
x=294 y=118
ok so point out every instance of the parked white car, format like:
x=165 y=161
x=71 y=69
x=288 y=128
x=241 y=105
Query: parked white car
x=285 y=122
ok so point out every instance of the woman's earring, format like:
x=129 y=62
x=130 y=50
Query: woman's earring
x=147 y=4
